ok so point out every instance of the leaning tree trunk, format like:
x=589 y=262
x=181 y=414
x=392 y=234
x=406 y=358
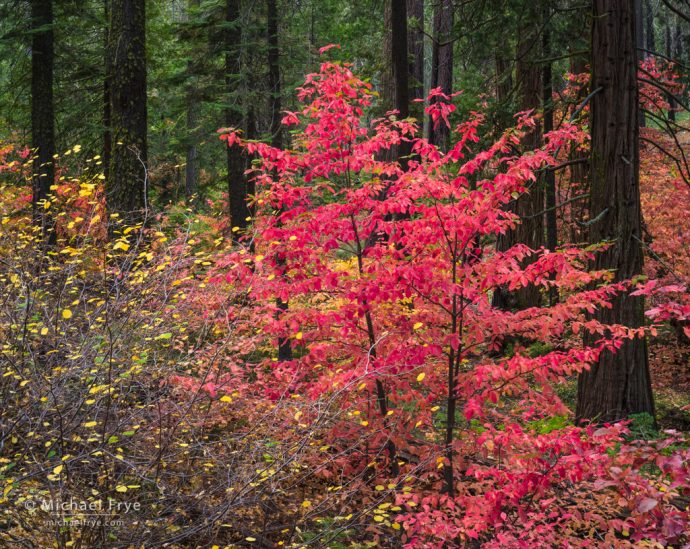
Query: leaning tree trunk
x=127 y=184
x=442 y=64
x=42 y=111
x=618 y=384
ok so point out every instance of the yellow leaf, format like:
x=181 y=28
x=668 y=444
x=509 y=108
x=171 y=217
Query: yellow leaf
x=298 y=335
x=225 y=398
x=58 y=470
x=293 y=238
x=90 y=424
x=44 y=331
x=66 y=314
x=421 y=377
x=417 y=325
x=306 y=503
x=120 y=488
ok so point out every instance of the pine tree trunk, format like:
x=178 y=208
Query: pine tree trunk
x=234 y=118
x=442 y=64
x=42 y=110
x=550 y=176
x=127 y=185
x=668 y=39
x=193 y=105
x=530 y=205
x=274 y=89
x=399 y=57
x=639 y=44
x=619 y=384
x=649 y=31
x=107 y=117
x=415 y=41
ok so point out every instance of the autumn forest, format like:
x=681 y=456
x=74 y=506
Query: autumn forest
x=344 y=274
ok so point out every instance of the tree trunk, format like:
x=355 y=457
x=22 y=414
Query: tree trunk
x=619 y=384
x=107 y=118
x=193 y=106
x=639 y=44
x=415 y=40
x=274 y=88
x=238 y=194
x=399 y=57
x=504 y=77
x=127 y=186
x=284 y=347
x=442 y=64
x=530 y=205
x=42 y=111
x=649 y=31
x=191 y=166
x=668 y=39
x=549 y=176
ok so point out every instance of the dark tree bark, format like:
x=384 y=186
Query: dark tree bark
x=274 y=88
x=127 y=184
x=238 y=191
x=415 y=42
x=504 y=77
x=639 y=43
x=42 y=111
x=618 y=384
x=649 y=30
x=442 y=63
x=395 y=81
x=668 y=44
x=193 y=105
x=107 y=118
x=192 y=155
x=399 y=57
x=530 y=205
x=550 y=177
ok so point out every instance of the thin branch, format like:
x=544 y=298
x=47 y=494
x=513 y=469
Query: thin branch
x=667 y=153
x=676 y=10
x=655 y=256
x=584 y=103
x=573 y=199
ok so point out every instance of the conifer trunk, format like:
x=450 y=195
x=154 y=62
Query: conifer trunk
x=127 y=185
x=619 y=384
x=42 y=109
